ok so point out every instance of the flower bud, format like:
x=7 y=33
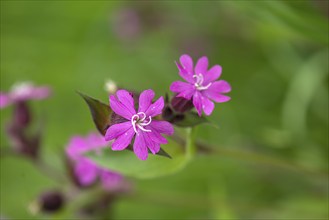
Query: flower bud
x=51 y=201
x=111 y=87
x=181 y=105
x=48 y=202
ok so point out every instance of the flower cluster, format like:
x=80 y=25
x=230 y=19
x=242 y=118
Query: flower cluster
x=139 y=124
x=131 y=121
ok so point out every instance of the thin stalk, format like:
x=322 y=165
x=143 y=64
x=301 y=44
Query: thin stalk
x=203 y=148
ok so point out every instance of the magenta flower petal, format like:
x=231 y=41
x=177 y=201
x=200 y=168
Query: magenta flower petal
x=123 y=140
x=220 y=86
x=150 y=143
x=197 y=102
x=4 y=100
x=119 y=108
x=217 y=97
x=213 y=74
x=187 y=94
x=163 y=127
x=184 y=73
x=117 y=130
x=86 y=172
x=187 y=63
x=145 y=100
x=185 y=90
x=201 y=66
x=140 y=148
x=40 y=92
x=207 y=105
x=156 y=137
x=155 y=108
x=179 y=86
x=154 y=148
x=127 y=100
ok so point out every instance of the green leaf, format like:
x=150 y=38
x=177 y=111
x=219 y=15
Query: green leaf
x=128 y=164
x=163 y=153
x=101 y=113
x=190 y=119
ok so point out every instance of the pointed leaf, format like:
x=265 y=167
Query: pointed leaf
x=101 y=113
x=161 y=152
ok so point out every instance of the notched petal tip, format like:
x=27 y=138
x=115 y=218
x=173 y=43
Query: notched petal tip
x=184 y=57
x=201 y=65
x=155 y=108
x=145 y=100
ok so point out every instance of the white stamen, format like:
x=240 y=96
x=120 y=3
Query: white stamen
x=199 y=81
x=144 y=115
x=134 y=121
x=146 y=123
x=139 y=121
x=143 y=129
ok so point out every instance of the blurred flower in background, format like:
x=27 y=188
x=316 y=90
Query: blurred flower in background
x=23 y=92
x=127 y=24
x=134 y=21
x=22 y=141
x=86 y=172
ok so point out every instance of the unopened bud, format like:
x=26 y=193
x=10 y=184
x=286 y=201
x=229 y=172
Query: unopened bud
x=110 y=86
x=181 y=105
x=51 y=201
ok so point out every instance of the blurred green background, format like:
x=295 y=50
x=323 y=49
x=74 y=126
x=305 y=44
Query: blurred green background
x=274 y=54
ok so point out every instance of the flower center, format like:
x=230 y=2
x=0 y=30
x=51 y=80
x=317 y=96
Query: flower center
x=140 y=120
x=199 y=81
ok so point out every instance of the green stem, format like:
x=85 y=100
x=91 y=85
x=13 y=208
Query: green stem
x=203 y=148
x=190 y=143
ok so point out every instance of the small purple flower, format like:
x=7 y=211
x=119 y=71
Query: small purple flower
x=22 y=92
x=85 y=170
x=201 y=85
x=139 y=124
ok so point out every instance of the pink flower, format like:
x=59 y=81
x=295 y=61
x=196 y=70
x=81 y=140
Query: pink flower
x=22 y=92
x=85 y=170
x=139 y=124
x=201 y=85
